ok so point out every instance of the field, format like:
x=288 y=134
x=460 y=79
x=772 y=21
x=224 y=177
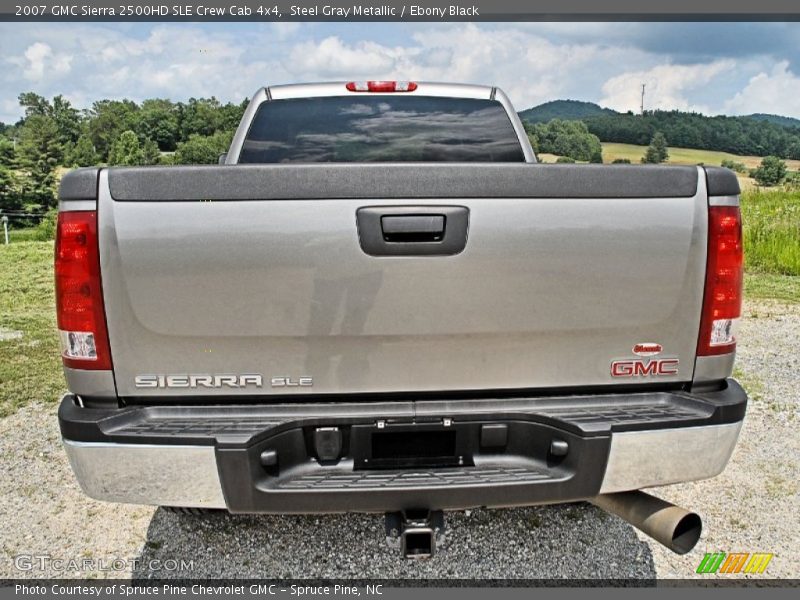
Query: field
x=26 y=234
x=679 y=156
x=30 y=368
x=772 y=231
x=684 y=156
x=765 y=286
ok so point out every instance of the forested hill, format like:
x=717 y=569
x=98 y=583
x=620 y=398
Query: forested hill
x=776 y=119
x=758 y=134
x=738 y=135
x=567 y=110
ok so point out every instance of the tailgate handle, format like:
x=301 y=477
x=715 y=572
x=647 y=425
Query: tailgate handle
x=412 y=230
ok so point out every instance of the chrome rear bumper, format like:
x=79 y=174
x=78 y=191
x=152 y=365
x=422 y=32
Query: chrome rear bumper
x=161 y=475
x=224 y=472
x=188 y=475
x=642 y=459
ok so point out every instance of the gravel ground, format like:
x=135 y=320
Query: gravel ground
x=753 y=506
x=523 y=543
x=43 y=511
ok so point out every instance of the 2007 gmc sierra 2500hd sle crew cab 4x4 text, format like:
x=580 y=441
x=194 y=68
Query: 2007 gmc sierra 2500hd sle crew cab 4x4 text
x=379 y=302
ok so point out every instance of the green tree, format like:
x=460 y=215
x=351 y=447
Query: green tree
x=202 y=150
x=206 y=116
x=532 y=139
x=107 y=120
x=734 y=166
x=596 y=157
x=9 y=190
x=567 y=138
x=166 y=158
x=6 y=152
x=231 y=114
x=34 y=104
x=126 y=150
x=158 y=121
x=150 y=152
x=200 y=116
x=657 y=151
x=66 y=118
x=771 y=171
x=82 y=154
x=38 y=154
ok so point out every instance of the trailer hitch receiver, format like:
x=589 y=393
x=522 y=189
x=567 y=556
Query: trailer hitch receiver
x=415 y=532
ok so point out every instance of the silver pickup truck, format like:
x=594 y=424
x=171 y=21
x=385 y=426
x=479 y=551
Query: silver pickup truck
x=381 y=302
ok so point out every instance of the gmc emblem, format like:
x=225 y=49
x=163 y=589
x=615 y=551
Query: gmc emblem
x=639 y=367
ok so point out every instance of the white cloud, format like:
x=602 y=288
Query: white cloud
x=332 y=58
x=284 y=30
x=39 y=63
x=170 y=61
x=776 y=92
x=533 y=63
x=526 y=65
x=667 y=86
x=36 y=54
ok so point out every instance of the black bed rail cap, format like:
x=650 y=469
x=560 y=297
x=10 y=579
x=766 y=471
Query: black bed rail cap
x=722 y=182
x=79 y=184
x=400 y=180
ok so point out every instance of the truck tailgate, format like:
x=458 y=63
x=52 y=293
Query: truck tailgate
x=229 y=271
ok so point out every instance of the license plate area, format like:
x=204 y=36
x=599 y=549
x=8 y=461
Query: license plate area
x=409 y=446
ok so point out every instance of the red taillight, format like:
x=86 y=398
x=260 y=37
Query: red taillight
x=381 y=86
x=722 y=305
x=79 y=296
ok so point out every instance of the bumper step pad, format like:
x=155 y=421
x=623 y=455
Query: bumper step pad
x=483 y=475
x=241 y=425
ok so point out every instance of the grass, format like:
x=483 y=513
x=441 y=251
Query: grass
x=772 y=287
x=27 y=234
x=30 y=367
x=772 y=231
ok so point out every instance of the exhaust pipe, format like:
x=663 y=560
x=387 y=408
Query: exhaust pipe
x=675 y=527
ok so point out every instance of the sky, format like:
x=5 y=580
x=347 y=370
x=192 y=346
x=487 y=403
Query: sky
x=713 y=68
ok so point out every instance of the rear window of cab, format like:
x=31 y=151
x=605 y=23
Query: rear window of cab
x=381 y=128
